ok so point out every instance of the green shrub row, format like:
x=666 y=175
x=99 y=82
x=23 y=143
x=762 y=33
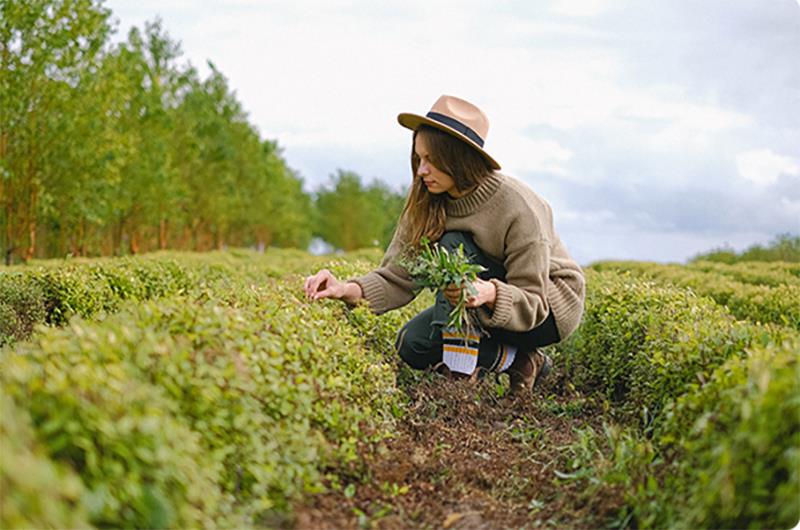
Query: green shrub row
x=771 y=273
x=51 y=291
x=711 y=404
x=758 y=303
x=732 y=446
x=216 y=407
x=725 y=456
x=641 y=343
x=119 y=433
x=51 y=295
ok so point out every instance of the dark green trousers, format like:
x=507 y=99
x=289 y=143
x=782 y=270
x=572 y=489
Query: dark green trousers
x=419 y=342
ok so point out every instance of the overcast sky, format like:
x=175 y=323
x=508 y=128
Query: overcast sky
x=656 y=130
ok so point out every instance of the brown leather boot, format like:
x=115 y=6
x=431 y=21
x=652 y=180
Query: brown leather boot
x=528 y=370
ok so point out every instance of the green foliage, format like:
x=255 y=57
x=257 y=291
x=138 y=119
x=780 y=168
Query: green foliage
x=51 y=295
x=735 y=444
x=784 y=247
x=353 y=216
x=725 y=455
x=36 y=492
x=211 y=406
x=379 y=332
x=756 y=302
x=433 y=267
x=137 y=462
x=166 y=160
x=641 y=344
x=47 y=48
x=22 y=305
x=710 y=406
x=772 y=274
x=188 y=390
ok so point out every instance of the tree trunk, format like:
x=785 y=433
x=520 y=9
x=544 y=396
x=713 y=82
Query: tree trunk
x=82 y=238
x=195 y=233
x=33 y=186
x=162 y=234
x=9 y=211
x=29 y=252
x=134 y=247
x=32 y=239
x=116 y=236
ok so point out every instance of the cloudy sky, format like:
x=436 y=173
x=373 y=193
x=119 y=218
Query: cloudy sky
x=656 y=130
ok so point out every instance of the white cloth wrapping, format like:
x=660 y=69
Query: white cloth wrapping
x=460 y=353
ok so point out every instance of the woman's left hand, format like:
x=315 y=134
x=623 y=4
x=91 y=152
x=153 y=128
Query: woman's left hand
x=487 y=293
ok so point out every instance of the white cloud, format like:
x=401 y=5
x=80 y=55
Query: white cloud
x=792 y=208
x=581 y=8
x=519 y=154
x=763 y=167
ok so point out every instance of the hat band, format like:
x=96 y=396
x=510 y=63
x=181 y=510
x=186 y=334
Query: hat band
x=456 y=125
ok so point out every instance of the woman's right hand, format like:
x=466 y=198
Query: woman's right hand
x=324 y=284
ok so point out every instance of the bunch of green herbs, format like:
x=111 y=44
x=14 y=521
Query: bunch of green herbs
x=434 y=267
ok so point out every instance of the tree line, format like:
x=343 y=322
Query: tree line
x=784 y=247
x=109 y=149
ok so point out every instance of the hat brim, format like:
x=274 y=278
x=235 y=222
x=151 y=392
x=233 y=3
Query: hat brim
x=413 y=121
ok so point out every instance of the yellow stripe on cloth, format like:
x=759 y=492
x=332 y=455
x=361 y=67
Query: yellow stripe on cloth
x=503 y=360
x=448 y=335
x=461 y=349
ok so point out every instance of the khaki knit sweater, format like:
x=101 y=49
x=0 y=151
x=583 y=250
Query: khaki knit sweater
x=514 y=226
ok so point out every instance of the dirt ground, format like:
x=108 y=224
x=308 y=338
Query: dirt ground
x=467 y=458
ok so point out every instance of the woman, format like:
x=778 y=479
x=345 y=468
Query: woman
x=531 y=293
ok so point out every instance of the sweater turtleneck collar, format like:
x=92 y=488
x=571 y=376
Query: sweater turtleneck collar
x=472 y=201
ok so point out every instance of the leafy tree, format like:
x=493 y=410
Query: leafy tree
x=114 y=149
x=151 y=188
x=44 y=47
x=351 y=216
x=285 y=210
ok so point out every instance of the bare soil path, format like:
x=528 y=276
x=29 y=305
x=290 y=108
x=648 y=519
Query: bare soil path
x=465 y=458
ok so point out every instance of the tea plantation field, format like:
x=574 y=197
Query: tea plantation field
x=178 y=390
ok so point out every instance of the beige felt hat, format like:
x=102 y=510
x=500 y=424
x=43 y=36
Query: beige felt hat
x=456 y=117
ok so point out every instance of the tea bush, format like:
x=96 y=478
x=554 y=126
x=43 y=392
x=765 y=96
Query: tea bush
x=52 y=291
x=188 y=390
x=725 y=454
x=379 y=332
x=758 y=303
x=734 y=445
x=51 y=295
x=719 y=400
x=773 y=274
x=36 y=492
x=641 y=343
x=21 y=307
x=140 y=466
x=215 y=407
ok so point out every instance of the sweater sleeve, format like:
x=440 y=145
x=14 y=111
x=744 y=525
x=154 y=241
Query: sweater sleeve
x=389 y=286
x=521 y=301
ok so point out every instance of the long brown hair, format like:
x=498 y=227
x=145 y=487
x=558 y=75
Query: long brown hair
x=424 y=212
